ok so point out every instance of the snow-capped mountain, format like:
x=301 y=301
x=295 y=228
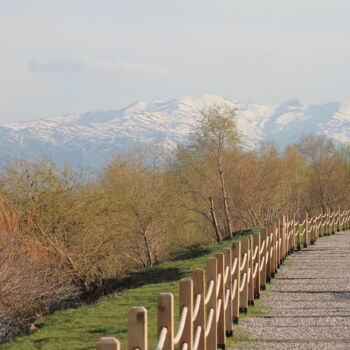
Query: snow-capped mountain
x=92 y=138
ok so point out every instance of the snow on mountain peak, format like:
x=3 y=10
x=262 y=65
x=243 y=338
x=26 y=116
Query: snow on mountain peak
x=92 y=138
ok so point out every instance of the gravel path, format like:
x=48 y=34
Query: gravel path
x=309 y=301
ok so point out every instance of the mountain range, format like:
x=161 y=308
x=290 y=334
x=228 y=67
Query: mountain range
x=91 y=139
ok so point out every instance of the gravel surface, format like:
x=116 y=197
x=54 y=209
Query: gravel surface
x=309 y=301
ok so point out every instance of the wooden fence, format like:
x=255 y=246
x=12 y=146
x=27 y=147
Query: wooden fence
x=211 y=302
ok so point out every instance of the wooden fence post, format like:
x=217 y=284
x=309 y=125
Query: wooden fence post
x=281 y=227
x=273 y=252
x=306 y=230
x=186 y=300
x=268 y=254
x=211 y=333
x=220 y=294
x=166 y=319
x=319 y=229
x=291 y=235
x=336 y=221
x=294 y=233
x=313 y=231
x=264 y=262
x=236 y=280
x=108 y=343
x=345 y=225
x=345 y=222
x=328 y=222
x=228 y=287
x=342 y=224
x=250 y=272
x=323 y=219
x=244 y=277
x=298 y=234
x=287 y=236
x=256 y=266
x=138 y=328
x=278 y=229
x=280 y=240
x=284 y=237
x=199 y=290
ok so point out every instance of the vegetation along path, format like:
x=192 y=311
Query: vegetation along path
x=308 y=304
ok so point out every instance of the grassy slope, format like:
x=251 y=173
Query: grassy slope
x=81 y=328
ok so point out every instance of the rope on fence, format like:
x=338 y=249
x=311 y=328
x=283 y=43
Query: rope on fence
x=181 y=328
x=234 y=290
x=234 y=266
x=209 y=322
x=197 y=338
x=245 y=258
x=162 y=338
x=196 y=307
x=209 y=292
x=262 y=264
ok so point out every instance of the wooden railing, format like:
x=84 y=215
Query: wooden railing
x=211 y=302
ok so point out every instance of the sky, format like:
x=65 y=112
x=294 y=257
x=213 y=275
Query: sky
x=69 y=56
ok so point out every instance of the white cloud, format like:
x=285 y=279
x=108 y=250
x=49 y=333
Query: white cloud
x=44 y=65
x=92 y=64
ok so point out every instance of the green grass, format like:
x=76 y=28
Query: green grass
x=288 y=263
x=240 y=339
x=242 y=336
x=80 y=328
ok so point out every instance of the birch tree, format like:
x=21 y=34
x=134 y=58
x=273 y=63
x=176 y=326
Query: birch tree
x=203 y=169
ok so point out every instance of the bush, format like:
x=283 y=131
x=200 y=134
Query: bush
x=31 y=280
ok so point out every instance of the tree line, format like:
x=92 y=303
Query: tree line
x=65 y=235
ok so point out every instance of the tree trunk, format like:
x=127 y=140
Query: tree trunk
x=214 y=221
x=148 y=248
x=224 y=197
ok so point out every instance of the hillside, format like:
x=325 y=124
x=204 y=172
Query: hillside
x=92 y=138
x=80 y=328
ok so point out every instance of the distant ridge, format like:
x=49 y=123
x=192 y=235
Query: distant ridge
x=92 y=138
